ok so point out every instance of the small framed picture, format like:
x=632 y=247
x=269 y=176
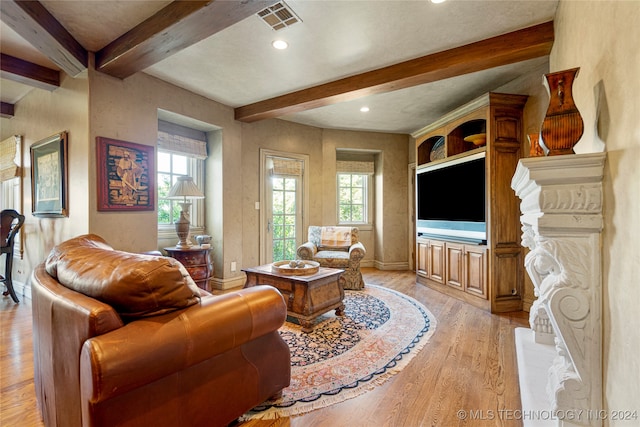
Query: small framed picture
x=49 y=190
x=125 y=175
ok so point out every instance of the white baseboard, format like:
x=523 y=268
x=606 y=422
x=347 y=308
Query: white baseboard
x=22 y=290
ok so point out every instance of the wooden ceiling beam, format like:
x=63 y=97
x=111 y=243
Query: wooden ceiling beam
x=36 y=25
x=177 y=26
x=28 y=73
x=521 y=45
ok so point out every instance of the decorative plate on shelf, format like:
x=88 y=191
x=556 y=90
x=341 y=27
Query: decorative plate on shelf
x=437 y=151
x=479 y=139
x=296 y=267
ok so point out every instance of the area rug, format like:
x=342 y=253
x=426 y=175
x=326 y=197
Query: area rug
x=345 y=356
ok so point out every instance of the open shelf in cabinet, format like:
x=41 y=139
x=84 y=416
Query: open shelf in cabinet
x=456 y=142
x=449 y=139
x=425 y=149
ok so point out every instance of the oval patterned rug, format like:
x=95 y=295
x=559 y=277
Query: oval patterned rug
x=345 y=356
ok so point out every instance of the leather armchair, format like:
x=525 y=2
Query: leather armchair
x=336 y=247
x=126 y=339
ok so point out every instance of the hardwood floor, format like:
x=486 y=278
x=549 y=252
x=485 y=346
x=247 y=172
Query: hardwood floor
x=468 y=365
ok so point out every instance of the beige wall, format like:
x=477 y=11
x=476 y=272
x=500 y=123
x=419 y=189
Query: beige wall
x=321 y=145
x=391 y=186
x=38 y=115
x=100 y=105
x=282 y=136
x=601 y=37
x=128 y=110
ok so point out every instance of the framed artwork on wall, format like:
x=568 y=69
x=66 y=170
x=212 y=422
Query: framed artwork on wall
x=125 y=175
x=49 y=177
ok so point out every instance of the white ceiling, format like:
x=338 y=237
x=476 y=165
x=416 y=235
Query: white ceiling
x=335 y=39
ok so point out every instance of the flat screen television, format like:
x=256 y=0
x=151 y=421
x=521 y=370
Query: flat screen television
x=451 y=199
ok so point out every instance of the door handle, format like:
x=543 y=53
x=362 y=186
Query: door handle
x=269 y=226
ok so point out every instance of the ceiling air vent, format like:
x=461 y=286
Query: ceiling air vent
x=279 y=16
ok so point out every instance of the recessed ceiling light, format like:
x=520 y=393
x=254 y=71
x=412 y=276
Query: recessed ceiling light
x=364 y=109
x=437 y=1
x=280 y=44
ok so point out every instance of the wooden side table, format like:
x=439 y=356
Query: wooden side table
x=198 y=263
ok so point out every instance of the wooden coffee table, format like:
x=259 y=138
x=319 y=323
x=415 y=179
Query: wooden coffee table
x=307 y=296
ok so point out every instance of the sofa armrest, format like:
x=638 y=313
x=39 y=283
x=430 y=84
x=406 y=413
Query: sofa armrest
x=307 y=251
x=357 y=251
x=151 y=348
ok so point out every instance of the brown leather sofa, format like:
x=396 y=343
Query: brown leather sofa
x=125 y=339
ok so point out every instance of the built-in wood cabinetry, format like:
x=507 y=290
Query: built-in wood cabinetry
x=489 y=276
x=431 y=262
x=457 y=269
x=466 y=268
x=475 y=270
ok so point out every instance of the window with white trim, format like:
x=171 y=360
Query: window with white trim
x=354 y=191
x=170 y=167
x=352 y=198
x=181 y=152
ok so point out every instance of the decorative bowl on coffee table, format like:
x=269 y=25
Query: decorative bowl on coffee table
x=285 y=267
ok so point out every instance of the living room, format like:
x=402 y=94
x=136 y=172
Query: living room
x=598 y=37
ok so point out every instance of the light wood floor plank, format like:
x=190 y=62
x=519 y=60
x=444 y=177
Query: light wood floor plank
x=469 y=364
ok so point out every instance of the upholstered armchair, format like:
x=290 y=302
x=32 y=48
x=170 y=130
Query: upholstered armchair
x=336 y=247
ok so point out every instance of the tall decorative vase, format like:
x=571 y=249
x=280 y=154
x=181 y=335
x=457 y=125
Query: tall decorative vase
x=562 y=126
x=535 y=149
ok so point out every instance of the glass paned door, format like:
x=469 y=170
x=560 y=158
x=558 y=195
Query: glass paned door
x=284 y=224
x=284 y=199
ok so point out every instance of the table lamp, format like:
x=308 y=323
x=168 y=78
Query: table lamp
x=184 y=189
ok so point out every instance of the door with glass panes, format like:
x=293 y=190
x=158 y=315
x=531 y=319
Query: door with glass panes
x=284 y=208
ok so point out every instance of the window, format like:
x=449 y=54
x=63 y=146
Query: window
x=285 y=210
x=181 y=152
x=352 y=198
x=170 y=167
x=284 y=200
x=355 y=171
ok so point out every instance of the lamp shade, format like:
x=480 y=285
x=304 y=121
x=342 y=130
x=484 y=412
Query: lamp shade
x=185 y=188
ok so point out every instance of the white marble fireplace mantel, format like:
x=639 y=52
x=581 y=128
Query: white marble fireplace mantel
x=560 y=357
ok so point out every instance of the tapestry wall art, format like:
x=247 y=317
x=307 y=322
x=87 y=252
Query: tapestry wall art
x=125 y=175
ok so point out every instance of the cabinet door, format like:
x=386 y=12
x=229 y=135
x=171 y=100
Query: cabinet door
x=475 y=271
x=455 y=265
x=436 y=261
x=422 y=261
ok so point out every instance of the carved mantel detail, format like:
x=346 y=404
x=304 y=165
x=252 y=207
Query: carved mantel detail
x=561 y=223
